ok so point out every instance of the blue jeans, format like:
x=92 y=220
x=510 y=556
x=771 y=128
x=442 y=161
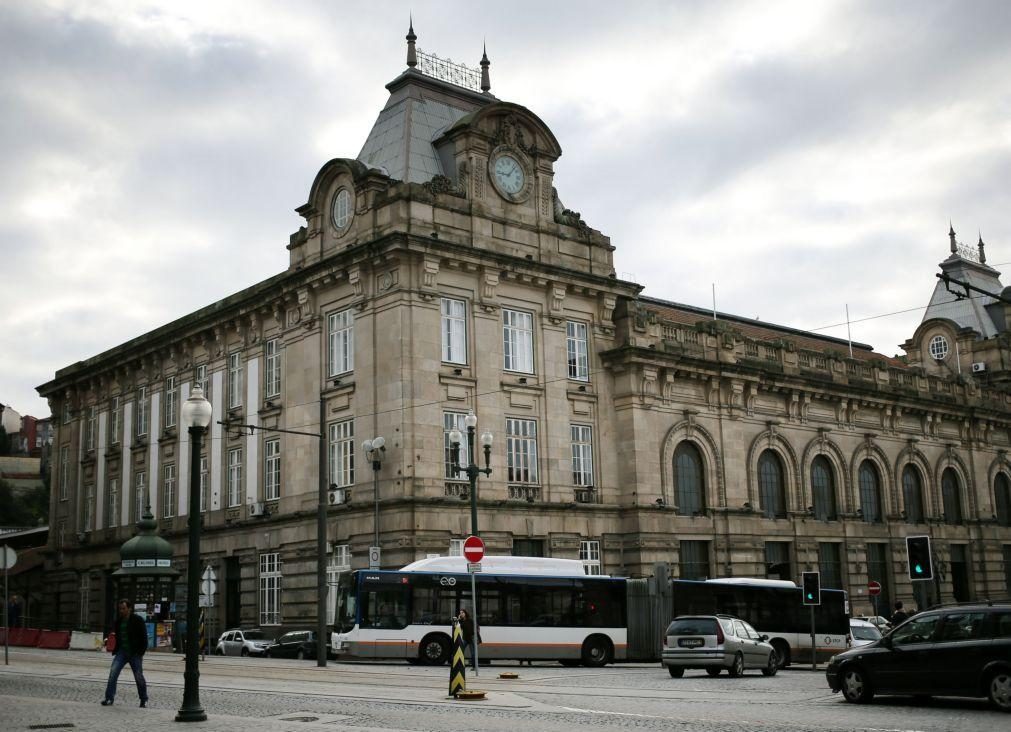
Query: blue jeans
x=120 y=660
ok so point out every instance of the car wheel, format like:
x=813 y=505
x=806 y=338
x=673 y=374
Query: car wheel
x=782 y=653
x=434 y=650
x=737 y=669
x=855 y=687
x=300 y=655
x=772 y=666
x=676 y=672
x=999 y=690
x=714 y=671
x=597 y=651
x=245 y=651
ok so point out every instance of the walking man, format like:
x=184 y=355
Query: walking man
x=131 y=642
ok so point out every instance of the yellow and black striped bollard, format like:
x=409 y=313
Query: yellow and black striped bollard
x=458 y=668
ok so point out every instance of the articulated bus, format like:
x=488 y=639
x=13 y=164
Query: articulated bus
x=528 y=608
x=532 y=608
x=774 y=608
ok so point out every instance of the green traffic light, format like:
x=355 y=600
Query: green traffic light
x=918 y=569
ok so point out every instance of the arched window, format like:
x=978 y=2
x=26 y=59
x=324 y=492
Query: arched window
x=689 y=485
x=912 y=495
x=823 y=490
x=771 y=490
x=951 y=496
x=870 y=492
x=1002 y=499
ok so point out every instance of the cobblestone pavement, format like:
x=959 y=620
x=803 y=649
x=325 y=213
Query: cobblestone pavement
x=43 y=689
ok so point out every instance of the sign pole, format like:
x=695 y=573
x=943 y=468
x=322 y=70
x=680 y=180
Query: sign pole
x=813 y=649
x=7 y=614
x=473 y=594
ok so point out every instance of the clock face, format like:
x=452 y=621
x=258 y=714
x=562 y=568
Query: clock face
x=509 y=174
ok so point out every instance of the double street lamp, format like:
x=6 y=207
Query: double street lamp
x=471 y=469
x=375 y=451
x=196 y=415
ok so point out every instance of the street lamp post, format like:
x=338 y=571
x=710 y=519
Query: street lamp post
x=196 y=415
x=375 y=451
x=471 y=469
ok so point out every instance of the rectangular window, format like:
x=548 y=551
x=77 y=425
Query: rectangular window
x=695 y=560
x=340 y=561
x=576 y=351
x=234 y=380
x=454 y=331
x=203 y=484
x=235 y=477
x=115 y=417
x=877 y=569
x=454 y=421
x=528 y=548
x=272 y=370
x=171 y=401
x=518 y=341
x=141 y=411
x=342 y=453
x=200 y=379
x=89 y=507
x=168 y=493
x=112 y=505
x=91 y=427
x=272 y=470
x=64 y=472
x=582 y=455
x=777 y=560
x=1006 y=550
x=341 y=337
x=270 y=589
x=139 y=494
x=456 y=547
x=521 y=451
x=960 y=572
x=589 y=555
x=84 y=601
x=67 y=414
x=830 y=565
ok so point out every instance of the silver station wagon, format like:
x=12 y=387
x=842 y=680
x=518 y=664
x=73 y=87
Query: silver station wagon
x=714 y=643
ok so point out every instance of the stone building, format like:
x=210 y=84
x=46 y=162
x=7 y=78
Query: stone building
x=438 y=273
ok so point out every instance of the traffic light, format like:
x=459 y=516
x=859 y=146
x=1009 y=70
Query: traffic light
x=919 y=555
x=811 y=582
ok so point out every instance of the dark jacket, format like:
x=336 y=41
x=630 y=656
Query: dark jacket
x=467 y=630
x=899 y=616
x=136 y=631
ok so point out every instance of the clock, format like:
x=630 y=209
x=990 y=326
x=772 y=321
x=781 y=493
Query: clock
x=509 y=175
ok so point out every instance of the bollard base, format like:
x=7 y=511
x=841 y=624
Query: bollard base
x=470 y=696
x=508 y=675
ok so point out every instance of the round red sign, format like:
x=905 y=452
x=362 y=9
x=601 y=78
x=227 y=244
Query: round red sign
x=873 y=588
x=473 y=549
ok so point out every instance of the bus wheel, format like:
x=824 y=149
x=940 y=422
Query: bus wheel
x=597 y=651
x=783 y=651
x=434 y=649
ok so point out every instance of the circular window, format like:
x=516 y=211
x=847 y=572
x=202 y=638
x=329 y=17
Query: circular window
x=341 y=211
x=939 y=347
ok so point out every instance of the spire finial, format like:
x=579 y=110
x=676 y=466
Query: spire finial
x=951 y=236
x=412 y=56
x=485 y=76
x=982 y=251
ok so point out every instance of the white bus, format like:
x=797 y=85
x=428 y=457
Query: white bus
x=529 y=608
x=774 y=608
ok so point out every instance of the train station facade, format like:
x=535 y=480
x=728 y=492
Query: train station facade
x=438 y=273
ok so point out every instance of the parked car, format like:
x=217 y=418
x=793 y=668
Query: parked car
x=296 y=644
x=714 y=643
x=242 y=642
x=950 y=651
x=862 y=633
x=878 y=621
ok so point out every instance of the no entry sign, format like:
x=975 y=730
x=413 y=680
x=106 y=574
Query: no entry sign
x=473 y=549
x=873 y=588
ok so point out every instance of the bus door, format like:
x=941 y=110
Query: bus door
x=385 y=614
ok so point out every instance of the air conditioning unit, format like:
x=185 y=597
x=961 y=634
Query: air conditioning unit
x=255 y=509
x=978 y=367
x=337 y=496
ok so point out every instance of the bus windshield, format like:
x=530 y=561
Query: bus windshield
x=344 y=617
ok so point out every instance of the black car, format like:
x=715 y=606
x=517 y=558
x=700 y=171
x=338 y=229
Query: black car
x=960 y=650
x=295 y=644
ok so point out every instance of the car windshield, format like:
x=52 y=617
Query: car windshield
x=692 y=626
x=254 y=635
x=865 y=632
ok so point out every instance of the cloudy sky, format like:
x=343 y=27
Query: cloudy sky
x=802 y=156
